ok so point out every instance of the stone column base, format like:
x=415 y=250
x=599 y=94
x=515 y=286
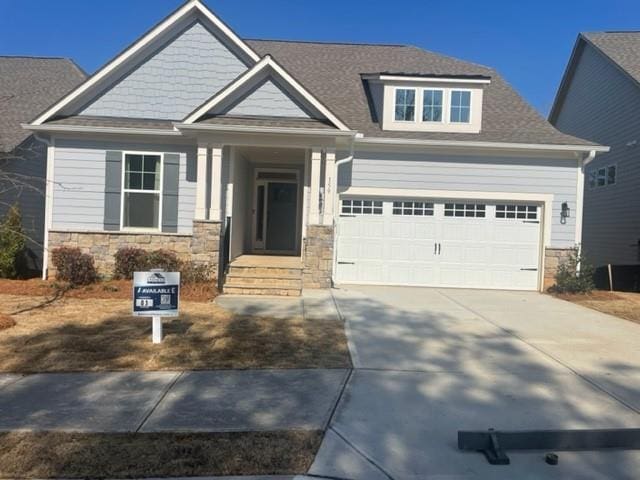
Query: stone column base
x=317 y=257
x=553 y=258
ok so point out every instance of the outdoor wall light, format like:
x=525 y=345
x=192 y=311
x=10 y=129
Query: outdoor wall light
x=565 y=213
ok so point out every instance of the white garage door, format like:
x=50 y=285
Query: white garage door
x=444 y=243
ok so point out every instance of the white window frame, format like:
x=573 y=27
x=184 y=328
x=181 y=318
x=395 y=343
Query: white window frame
x=416 y=104
x=475 y=210
x=412 y=208
x=451 y=90
x=443 y=106
x=124 y=190
x=362 y=206
x=529 y=214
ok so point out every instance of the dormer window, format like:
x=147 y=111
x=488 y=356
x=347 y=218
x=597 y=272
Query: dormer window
x=405 y=105
x=460 y=106
x=428 y=103
x=432 y=105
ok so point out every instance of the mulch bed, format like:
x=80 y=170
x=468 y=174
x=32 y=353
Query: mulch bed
x=6 y=321
x=115 y=289
x=136 y=455
x=620 y=304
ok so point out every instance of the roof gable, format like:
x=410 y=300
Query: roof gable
x=192 y=19
x=261 y=89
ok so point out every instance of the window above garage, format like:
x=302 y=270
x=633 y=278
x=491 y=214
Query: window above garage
x=428 y=103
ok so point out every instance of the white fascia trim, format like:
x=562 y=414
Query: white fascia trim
x=92 y=129
x=271 y=130
x=140 y=44
x=267 y=61
x=545 y=199
x=493 y=145
x=404 y=78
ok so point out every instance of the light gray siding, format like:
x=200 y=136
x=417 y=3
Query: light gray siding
x=602 y=104
x=79 y=183
x=268 y=99
x=412 y=171
x=173 y=82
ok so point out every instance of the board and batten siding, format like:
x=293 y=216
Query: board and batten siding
x=79 y=183
x=174 y=81
x=602 y=104
x=421 y=171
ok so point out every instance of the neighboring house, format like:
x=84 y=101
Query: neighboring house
x=599 y=99
x=314 y=162
x=27 y=86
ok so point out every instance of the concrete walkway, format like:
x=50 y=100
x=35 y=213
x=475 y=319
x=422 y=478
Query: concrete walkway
x=214 y=401
x=430 y=362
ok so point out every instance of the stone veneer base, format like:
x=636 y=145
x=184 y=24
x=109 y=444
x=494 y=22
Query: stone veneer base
x=318 y=257
x=201 y=246
x=553 y=258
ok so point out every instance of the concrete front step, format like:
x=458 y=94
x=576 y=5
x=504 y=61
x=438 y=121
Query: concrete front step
x=255 y=290
x=260 y=282
x=262 y=271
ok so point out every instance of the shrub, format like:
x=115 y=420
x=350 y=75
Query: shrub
x=73 y=266
x=129 y=260
x=191 y=272
x=12 y=243
x=164 y=259
x=575 y=275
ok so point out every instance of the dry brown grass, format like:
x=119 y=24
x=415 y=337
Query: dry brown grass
x=74 y=334
x=620 y=304
x=129 y=455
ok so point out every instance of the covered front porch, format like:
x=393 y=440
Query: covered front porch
x=275 y=204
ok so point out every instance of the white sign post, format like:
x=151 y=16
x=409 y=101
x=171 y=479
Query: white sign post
x=156 y=294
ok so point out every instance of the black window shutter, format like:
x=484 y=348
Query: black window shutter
x=170 y=188
x=112 y=190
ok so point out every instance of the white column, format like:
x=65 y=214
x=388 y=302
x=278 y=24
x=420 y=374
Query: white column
x=229 y=192
x=329 y=186
x=201 y=184
x=314 y=200
x=307 y=190
x=216 y=183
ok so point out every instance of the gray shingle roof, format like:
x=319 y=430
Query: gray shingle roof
x=28 y=85
x=332 y=73
x=112 y=122
x=283 y=122
x=621 y=47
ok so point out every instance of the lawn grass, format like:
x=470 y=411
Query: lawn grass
x=85 y=334
x=136 y=455
x=620 y=304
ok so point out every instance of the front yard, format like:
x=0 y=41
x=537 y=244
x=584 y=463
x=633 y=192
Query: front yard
x=96 y=334
x=620 y=304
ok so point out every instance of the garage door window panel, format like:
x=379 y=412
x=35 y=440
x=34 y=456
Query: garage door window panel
x=472 y=210
x=411 y=208
x=521 y=212
x=362 y=207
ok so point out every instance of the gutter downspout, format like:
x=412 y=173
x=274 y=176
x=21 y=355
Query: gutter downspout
x=48 y=198
x=588 y=158
x=336 y=203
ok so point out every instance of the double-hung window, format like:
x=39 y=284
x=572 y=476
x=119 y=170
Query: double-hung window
x=432 y=105
x=142 y=191
x=405 y=105
x=460 y=106
x=603 y=176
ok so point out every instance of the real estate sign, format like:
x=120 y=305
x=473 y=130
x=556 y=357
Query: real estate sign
x=156 y=294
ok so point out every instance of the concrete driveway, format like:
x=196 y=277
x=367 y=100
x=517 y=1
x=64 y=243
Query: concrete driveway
x=430 y=362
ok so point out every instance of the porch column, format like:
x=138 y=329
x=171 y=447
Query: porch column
x=228 y=204
x=329 y=186
x=216 y=183
x=314 y=200
x=201 y=212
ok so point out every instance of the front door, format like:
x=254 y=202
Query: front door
x=275 y=212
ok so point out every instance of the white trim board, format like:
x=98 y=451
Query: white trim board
x=267 y=62
x=417 y=79
x=186 y=9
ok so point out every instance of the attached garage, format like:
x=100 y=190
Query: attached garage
x=439 y=242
